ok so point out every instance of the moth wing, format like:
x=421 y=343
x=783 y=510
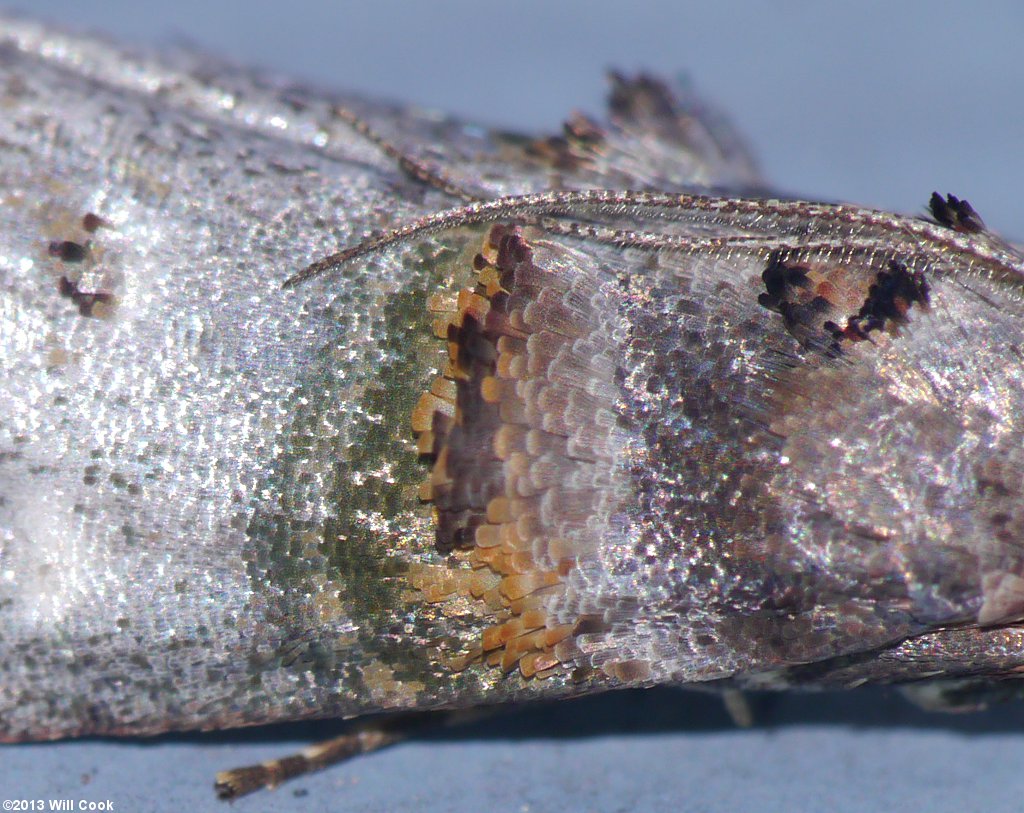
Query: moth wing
x=816 y=453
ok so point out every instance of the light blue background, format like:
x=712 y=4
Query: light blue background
x=874 y=102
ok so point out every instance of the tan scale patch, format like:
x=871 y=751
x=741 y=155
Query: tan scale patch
x=514 y=568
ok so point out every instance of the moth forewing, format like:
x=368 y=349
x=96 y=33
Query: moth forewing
x=745 y=392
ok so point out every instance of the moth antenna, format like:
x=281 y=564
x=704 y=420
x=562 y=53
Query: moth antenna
x=413 y=167
x=656 y=241
x=652 y=241
x=749 y=214
x=515 y=207
x=440 y=180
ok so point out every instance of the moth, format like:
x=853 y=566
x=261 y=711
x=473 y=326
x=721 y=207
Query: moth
x=299 y=421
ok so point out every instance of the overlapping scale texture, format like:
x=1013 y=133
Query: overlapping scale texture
x=522 y=432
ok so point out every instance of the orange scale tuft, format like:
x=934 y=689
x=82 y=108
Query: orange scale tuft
x=488 y=536
x=425 y=443
x=492 y=390
x=426 y=406
x=533 y=619
x=499 y=510
x=440 y=326
x=494 y=600
x=509 y=366
x=534 y=601
x=490 y=556
x=519 y=563
x=519 y=585
x=478 y=586
x=527 y=666
x=537 y=664
x=555 y=635
x=507 y=440
x=510 y=539
x=509 y=660
x=444 y=388
x=493 y=638
x=511 y=346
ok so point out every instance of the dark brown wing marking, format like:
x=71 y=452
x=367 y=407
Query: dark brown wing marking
x=955 y=213
x=810 y=296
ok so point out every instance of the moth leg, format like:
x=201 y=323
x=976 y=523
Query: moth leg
x=737 y=706
x=413 y=167
x=368 y=736
x=960 y=695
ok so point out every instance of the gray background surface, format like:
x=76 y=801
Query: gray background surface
x=876 y=103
